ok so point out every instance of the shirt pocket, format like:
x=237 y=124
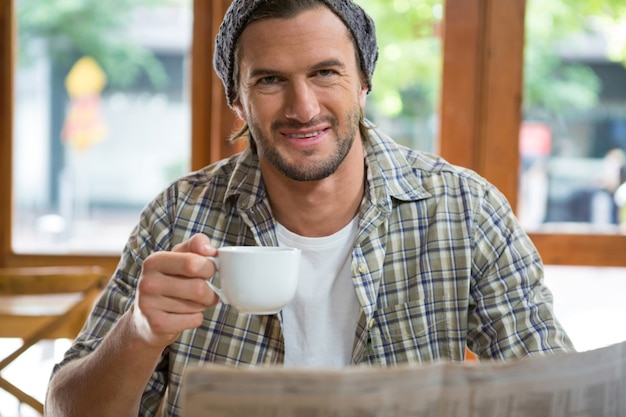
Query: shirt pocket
x=414 y=332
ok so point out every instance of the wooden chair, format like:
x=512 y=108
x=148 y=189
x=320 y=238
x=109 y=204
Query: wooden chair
x=44 y=303
x=470 y=356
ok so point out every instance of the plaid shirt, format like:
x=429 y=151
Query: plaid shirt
x=439 y=263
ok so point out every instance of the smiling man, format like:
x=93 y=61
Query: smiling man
x=406 y=258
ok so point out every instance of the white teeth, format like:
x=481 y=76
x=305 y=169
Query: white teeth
x=308 y=135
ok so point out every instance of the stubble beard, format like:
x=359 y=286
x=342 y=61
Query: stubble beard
x=308 y=171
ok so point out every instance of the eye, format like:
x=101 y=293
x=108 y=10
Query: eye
x=325 y=73
x=269 y=80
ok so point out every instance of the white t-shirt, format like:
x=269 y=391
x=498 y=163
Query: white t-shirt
x=320 y=323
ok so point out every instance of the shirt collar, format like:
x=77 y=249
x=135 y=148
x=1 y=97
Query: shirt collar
x=391 y=173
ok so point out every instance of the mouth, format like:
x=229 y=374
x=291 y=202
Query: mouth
x=306 y=138
x=307 y=135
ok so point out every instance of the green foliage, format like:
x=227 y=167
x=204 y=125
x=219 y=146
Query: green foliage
x=74 y=28
x=406 y=81
x=409 y=71
x=551 y=85
x=548 y=85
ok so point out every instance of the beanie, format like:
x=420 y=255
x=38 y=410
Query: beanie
x=237 y=18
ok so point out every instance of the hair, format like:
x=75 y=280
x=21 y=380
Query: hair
x=286 y=9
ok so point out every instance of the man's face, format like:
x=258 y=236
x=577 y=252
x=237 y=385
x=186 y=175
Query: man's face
x=301 y=92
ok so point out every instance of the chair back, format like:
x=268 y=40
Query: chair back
x=31 y=297
x=40 y=303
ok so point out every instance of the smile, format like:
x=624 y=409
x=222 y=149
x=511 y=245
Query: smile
x=305 y=135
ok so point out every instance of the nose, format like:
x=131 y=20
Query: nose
x=302 y=104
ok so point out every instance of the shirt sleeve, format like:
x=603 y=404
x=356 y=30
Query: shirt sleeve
x=511 y=309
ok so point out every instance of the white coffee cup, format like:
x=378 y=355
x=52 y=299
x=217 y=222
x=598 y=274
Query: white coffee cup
x=256 y=279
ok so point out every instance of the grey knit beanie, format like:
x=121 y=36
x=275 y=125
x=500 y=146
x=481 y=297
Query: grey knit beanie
x=237 y=18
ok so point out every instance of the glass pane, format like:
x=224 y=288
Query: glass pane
x=406 y=84
x=573 y=137
x=102 y=118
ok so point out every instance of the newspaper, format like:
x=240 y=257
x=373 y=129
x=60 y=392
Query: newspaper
x=583 y=384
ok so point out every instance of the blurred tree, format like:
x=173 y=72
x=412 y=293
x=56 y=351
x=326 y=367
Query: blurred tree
x=552 y=85
x=69 y=29
x=407 y=79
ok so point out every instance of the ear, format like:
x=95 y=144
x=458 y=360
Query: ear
x=238 y=107
x=363 y=94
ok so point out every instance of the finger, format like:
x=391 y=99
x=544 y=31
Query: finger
x=198 y=243
x=179 y=264
x=185 y=304
x=181 y=295
x=170 y=323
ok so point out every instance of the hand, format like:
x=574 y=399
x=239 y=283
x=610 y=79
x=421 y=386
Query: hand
x=172 y=292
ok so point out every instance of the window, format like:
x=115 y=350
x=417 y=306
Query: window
x=573 y=136
x=407 y=83
x=479 y=115
x=101 y=120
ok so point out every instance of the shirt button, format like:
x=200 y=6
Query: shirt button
x=371 y=323
x=362 y=268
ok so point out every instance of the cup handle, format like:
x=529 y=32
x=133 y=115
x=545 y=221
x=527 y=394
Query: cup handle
x=214 y=287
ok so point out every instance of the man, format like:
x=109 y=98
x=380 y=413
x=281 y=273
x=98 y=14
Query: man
x=406 y=258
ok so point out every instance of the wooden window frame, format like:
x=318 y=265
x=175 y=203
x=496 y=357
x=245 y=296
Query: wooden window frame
x=480 y=115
